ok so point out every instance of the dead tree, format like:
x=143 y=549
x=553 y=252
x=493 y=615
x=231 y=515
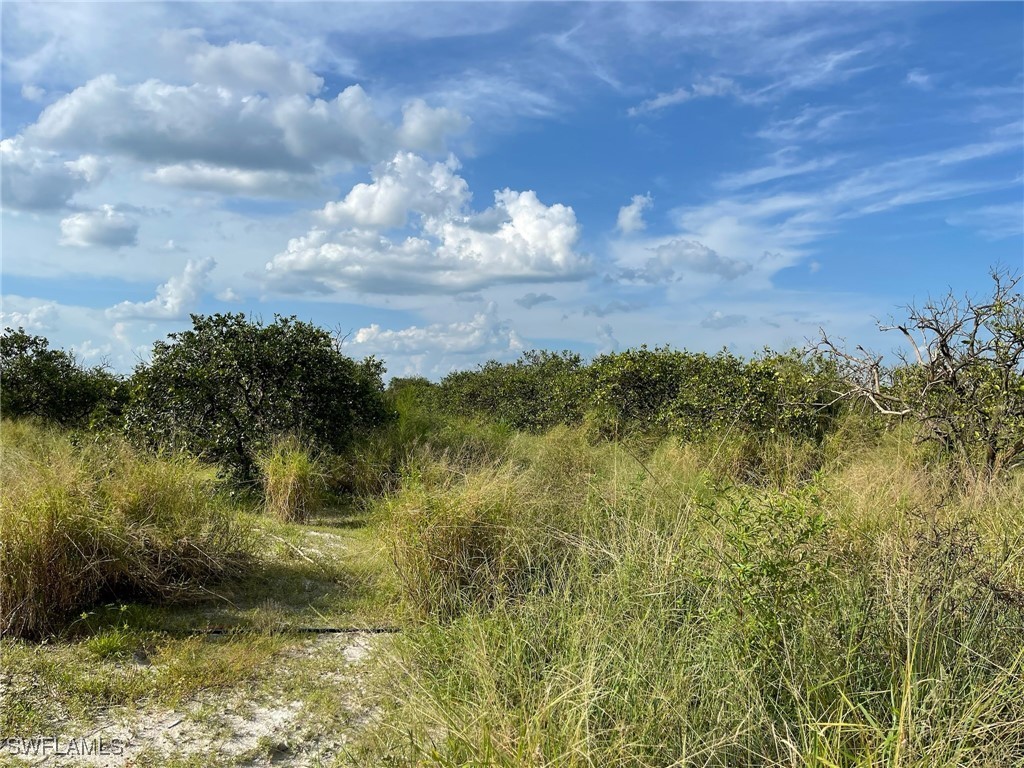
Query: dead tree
x=962 y=380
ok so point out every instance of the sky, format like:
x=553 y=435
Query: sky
x=447 y=183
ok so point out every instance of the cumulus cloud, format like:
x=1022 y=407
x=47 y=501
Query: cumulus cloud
x=423 y=127
x=531 y=299
x=437 y=348
x=697 y=257
x=173 y=299
x=631 y=217
x=33 y=319
x=157 y=122
x=249 y=67
x=106 y=227
x=717 y=320
x=407 y=183
x=519 y=239
x=35 y=179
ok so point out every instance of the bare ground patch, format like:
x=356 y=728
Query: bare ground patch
x=304 y=712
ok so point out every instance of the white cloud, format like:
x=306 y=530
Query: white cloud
x=37 y=180
x=673 y=259
x=229 y=294
x=31 y=92
x=237 y=181
x=437 y=348
x=157 y=122
x=405 y=184
x=173 y=299
x=518 y=240
x=250 y=67
x=424 y=128
x=631 y=217
x=484 y=333
x=33 y=319
x=106 y=227
x=702 y=89
x=88 y=352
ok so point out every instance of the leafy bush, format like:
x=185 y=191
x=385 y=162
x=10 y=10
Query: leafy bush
x=634 y=389
x=536 y=392
x=651 y=392
x=225 y=389
x=46 y=383
x=80 y=523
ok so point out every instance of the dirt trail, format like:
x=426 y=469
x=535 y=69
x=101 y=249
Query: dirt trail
x=275 y=724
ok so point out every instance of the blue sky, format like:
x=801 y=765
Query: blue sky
x=448 y=183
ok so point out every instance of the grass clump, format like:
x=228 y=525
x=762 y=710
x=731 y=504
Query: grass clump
x=294 y=481
x=85 y=522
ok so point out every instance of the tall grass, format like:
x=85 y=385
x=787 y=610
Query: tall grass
x=294 y=481
x=588 y=606
x=82 y=522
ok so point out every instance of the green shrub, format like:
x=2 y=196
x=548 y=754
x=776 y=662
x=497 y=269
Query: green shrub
x=538 y=391
x=645 y=393
x=81 y=523
x=294 y=482
x=225 y=389
x=49 y=384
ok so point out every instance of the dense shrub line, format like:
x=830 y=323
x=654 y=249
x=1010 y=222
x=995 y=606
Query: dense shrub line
x=650 y=391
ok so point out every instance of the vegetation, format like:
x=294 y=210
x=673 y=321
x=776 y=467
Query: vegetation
x=227 y=388
x=662 y=611
x=82 y=522
x=49 y=384
x=650 y=392
x=651 y=558
x=293 y=481
x=965 y=384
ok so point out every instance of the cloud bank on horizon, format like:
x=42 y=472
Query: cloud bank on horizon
x=450 y=183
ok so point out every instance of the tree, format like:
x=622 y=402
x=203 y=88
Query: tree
x=225 y=389
x=46 y=383
x=963 y=380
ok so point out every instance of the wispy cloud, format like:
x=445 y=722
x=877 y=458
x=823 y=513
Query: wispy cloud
x=994 y=222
